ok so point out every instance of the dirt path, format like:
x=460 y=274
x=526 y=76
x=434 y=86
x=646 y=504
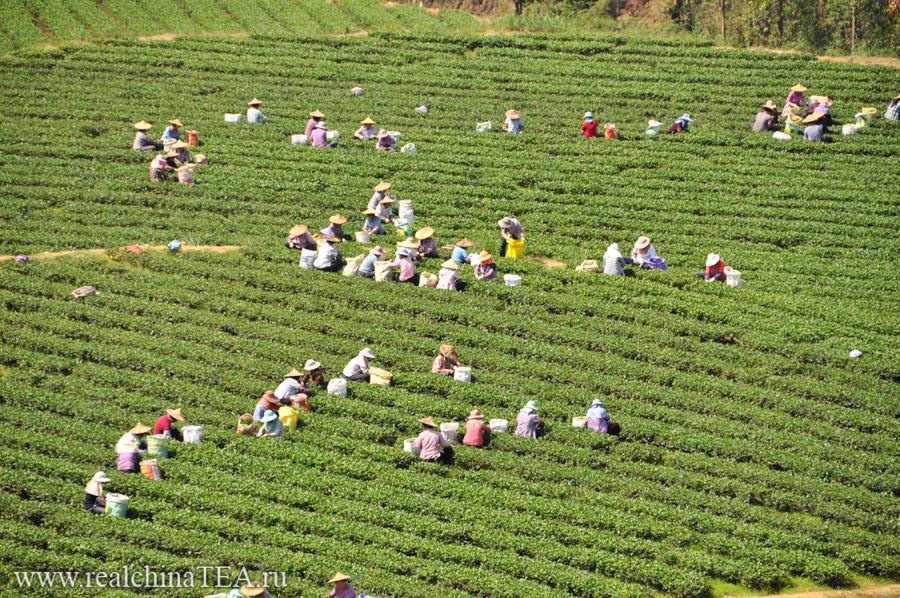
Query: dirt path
x=49 y=255
x=881 y=60
x=891 y=591
x=547 y=262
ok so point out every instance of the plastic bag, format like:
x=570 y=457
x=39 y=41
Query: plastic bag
x=383 y=273
x=337 y=387
x=409 y=148
x=483 y=127
x=351 y=268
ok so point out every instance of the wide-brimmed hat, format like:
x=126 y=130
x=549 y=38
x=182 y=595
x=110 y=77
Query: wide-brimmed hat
x=337 y=219
x=403 y=252
x=369 y=211
x=450 y=264
x=367 y=353
x=293 y=374
x=270 y=398
x=387 y=200
x=101 y=478
x=322 y=237
x=446 y=350
x=588 y=116
x=176 y=122
x=367 y=121
x=642 y=242
x=143 y=126
x=485 y=257
x=339 y=577
x=408 y=243
x=512 y=114
x=268 y=416
x=826 y=100
x=378 y=250
x=798 y=87
x=254 y=589
x=382 y=186
x=653 y=123
x=464 y=243
x=298 y=229
x=686 y=117
x=424 y=233
x=427 y=421
x=180 y=144
x=475 y=414
x=712 y=259
x=770 y=105
x=794 y=119
x=597 y=402
x=140 y=428
x=176 y=413
x=530 y=406
x=317 y=114
x=870 y=111
x=254 y=102
x=814 y=117
x=311 y=364
x=170 y=154
x=383 y=133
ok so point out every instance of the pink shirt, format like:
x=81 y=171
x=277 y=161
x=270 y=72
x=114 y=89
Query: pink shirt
x=442 y=365
x=430 y=442
x=447 y=279
x=319 y=138
x=527 y=424
x=348 y=592
x=309 y=126
x=407 y=268
x=475 y=432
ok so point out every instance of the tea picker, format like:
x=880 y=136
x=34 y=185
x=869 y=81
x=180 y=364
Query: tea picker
x=478 y=433
x=822 y=104
x=795 y=100
x=445 y=361
x=315 y=117
x=94 y=498
x=427 y=246
x=431 y=444
x=342 y=587
x=160 y=167
x=299 y=238
x=614 y=263
x=681 y=124
x=589 y=125
x=271 y=425
x=528 y=424
x=513 y=122
x=142 y=141
x=335 y=227
x=289 y=386
x=460 y=255
x=384 y=209
x=253 y=590
x=254 y=114
x=485 y=267
x=816 y=129
x=385 y=141
x=313 y=375
x=598 y=419
x=367 y=268
x=404 y=263
x=380 y=189
x=715 y=269
x=165 y=424
x=373 y=224
x=319 y=137
x=171 y=131
x=130 y=447
x=358 y=367
x=448 y=277
x=366 y=131
x=643 y=251
x=511 y=233
x=267 y=402
x=766 y=119
x=893 y=109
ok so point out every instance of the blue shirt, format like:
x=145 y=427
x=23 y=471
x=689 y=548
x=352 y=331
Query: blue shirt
x=368 y=264
x=171 y=133
x=373 y=225
x=255 y=115
x=459 y=255
x=813 y=132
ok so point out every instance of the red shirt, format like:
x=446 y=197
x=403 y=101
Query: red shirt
x=589 y=128
x=163 y=424
x=714 y=270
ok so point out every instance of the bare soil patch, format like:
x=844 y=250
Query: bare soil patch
x=49 y=255
x=547 y=262
x=890 y=591
x=882 y=60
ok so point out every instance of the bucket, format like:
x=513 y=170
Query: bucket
x=405 y=211
x=157 y=445
x=499 y=426
x=233 y=118
x=512 y=280
x=193 y=139
x=579 y=422
x=300 y=139
x=150 y=469
x=337 y=387
x=409 y=446
x=362 y=236
x=302 y=403
x=450 y=432
x=427 y=280
x=733 y=278
x=193 y=434
x=483 y=127
x=332 y=135
x=380 y=376
x=289 y=417
x=462 y=373
x=116 y=505
x=307 y=257
x=409 y=148
x=515 y=248
x=127 y=461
